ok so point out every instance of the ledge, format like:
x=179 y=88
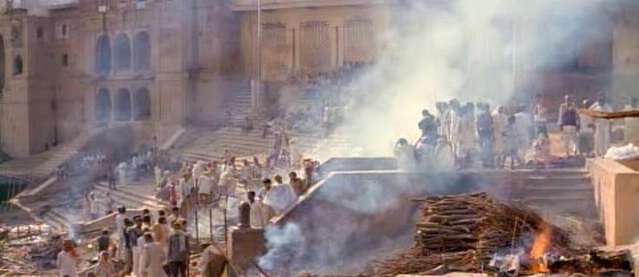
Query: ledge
x=251 y=5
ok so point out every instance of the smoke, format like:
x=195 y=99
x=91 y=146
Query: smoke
x=466 y=49
x=470 y=50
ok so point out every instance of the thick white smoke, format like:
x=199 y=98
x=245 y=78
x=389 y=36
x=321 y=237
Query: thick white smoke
x=465 y=49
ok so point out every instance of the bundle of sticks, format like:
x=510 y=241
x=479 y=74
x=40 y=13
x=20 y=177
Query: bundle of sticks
x=464 y=232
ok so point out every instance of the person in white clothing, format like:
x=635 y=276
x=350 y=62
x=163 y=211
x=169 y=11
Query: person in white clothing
x=524 y=125
x=67 y=261
x=153 y=258
x=586 y=131
x=602 y=127
x=258 y=219
x=500 y=121
x=281 y=196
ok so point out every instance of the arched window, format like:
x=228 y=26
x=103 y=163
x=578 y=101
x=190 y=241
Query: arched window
x=123 y=105
x=122 y=52
x=141 y=52
x=103 y=105
x=103 y=55
x=17 y=65
x=142 y=105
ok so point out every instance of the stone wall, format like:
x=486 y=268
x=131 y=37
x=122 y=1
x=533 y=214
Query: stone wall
x=616 y=187
x=309 y=41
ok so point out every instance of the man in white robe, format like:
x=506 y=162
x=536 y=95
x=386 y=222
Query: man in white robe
x=122 y=170
x=281 y=196
x=500 y=120
x=602 y=127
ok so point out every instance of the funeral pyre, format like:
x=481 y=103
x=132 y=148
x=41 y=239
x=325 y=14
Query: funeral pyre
x=474 y=233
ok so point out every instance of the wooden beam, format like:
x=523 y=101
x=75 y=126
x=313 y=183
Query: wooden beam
x=609 y=115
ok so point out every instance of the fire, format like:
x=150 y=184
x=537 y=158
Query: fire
x=538 y=249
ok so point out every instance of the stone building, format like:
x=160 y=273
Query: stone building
x=156 y=65
x=76 y=65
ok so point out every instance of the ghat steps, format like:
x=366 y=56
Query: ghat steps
x=569 y=193
x=41 y=165
x=208 y=145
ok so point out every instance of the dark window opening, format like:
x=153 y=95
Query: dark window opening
x=17 y=65
x=142 y=52
x=63 y=30
x=123 y=105
x=40 y=32
x=122 y=53
x=142 y=102
x=103 y=55
x=103 y=105
x=65 y=59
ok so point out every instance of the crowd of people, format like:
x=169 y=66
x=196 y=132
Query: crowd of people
x=465 y=135
x=209 y=182
x=144 y=245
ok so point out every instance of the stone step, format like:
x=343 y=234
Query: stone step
x=56 y=220
x=131 y=198
x=554 y=192
x=557 y=181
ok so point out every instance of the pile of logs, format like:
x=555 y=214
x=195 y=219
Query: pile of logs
x=464 y=232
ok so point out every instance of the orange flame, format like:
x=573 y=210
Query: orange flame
x=538 y=249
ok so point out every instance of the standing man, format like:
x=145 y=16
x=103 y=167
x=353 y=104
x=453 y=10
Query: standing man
x=632 y=123
x=602 y=127
x=428 y=127
x=500 y=121
x=485 y=135
x=568 y=125
x=178 y=252
x=586 y=131
x=540 y=116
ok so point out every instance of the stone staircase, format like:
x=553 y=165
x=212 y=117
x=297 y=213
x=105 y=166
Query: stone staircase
x=41 y=165
x=240 y=103
x=133 y=197
x=211 y=145
x=560 y=192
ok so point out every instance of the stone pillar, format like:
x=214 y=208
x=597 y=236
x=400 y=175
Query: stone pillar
x=244 y=246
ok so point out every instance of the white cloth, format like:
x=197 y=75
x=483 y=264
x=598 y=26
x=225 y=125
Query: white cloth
x=569 y=139
x=153 y=258
x=631 y=133
x=454 y=129
x=280 y=197
x=499 y=126
x=122 y=173
x=67 y=264
x=205 y=184
x=602 y=130
x=258 y=218
x=227 y=181
x=467 y=134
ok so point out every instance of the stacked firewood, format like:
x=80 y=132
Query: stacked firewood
x=463 y=233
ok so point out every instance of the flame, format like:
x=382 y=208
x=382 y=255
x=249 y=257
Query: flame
x=538 y=249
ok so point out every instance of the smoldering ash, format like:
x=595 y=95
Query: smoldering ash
x=437 y=50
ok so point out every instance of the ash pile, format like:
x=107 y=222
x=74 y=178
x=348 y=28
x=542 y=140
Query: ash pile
x=474 y=233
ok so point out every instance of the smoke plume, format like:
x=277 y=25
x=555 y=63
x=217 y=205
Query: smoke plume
x=434 y=51
x=469 y=50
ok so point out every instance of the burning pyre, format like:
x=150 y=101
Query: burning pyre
x=474 y=233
